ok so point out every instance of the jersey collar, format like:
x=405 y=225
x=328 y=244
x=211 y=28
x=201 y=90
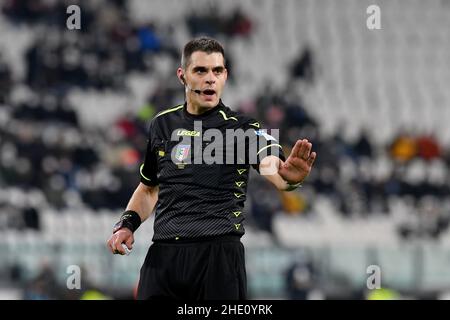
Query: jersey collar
x=205 y=114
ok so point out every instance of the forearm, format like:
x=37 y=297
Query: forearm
x=143 y=200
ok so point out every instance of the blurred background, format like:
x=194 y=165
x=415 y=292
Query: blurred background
x=74 y=109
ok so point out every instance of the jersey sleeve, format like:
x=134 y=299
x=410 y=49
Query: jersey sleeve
x=148 y=170
x=262 y=144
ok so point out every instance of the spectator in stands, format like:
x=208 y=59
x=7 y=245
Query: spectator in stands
x=303 y=66
x=31 y=218
x=362 y=146
x=148 y=38
x=265 y=203
x=44 y=286
x=297 y=116
x=238 y=24
x=5 y=80
x=403 y=148
x=209 y=23
x=294 y=203
x=428 y=147
x=300 y=278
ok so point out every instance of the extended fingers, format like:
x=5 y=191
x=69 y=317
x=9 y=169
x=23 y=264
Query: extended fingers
x=311 y=159
x=296 y=148
x=304 y=149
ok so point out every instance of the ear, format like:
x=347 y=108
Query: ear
x=226 y=74
x=180 y=75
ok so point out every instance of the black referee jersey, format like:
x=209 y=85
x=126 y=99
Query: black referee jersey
x=196 y=198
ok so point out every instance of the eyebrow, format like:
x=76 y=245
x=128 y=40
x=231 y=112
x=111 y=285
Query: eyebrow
x=201 y=68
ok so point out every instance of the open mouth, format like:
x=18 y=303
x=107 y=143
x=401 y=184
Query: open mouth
x=209 y=92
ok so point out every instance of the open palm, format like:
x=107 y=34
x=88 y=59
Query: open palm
x=299 y=163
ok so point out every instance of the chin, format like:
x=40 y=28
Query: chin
x=210 y=104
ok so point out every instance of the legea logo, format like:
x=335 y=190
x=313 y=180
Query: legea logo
x=188 y=133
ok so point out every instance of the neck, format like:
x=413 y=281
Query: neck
x=196 y=109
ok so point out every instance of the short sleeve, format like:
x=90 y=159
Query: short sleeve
x=262 y=144
x=148 y=170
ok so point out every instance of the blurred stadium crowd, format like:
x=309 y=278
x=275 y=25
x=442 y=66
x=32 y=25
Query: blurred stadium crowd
x=55 y=156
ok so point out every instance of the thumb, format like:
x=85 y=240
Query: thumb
x=281 y=164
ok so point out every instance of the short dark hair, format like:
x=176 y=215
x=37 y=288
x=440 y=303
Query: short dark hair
x=205 y=44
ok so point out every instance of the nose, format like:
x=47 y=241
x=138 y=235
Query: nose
x=211 y=78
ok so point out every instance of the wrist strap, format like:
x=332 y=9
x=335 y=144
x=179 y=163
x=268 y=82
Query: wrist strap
x=293 y=186
x=129 y=219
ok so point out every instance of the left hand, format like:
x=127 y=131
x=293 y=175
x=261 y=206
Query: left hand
x=299 y=163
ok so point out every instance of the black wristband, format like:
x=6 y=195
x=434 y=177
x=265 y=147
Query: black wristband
x=293 y=186
x=129 y=219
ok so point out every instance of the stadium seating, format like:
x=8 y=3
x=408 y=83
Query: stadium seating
x=380 y=82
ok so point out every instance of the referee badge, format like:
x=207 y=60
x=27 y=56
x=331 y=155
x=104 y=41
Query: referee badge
x=181 y=154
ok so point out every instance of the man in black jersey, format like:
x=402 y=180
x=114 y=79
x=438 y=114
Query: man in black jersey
x=196 y=176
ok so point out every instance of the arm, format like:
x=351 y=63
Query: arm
x=286 y=175
x=142 y=201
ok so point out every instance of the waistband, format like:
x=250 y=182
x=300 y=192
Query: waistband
x=209 y=239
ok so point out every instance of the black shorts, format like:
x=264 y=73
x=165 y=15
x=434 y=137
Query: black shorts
x=212 y=269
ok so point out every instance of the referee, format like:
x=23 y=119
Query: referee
x=196 y=252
